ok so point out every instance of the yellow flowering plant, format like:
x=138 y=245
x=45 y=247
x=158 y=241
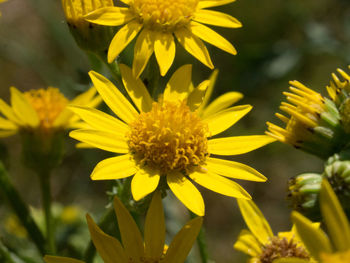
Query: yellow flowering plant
x=155 y=23
x=261 y=244
x=168 y=140
x=331 y=248
x=151 y=248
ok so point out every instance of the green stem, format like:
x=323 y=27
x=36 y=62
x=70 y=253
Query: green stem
x=113 y=68
x=104 y=223
x=202 y=244
x=46 y=202
x=153 y=78
x=21 y=210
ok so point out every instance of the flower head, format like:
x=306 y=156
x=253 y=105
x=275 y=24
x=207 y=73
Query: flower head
x=138 y=249
x=169 y=139
x=158 y=21
x=42 y=110
x=313 y=124
x=88 y=36
x=335 y=247
x=261 y=244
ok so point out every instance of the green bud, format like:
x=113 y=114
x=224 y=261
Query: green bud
x=303 y=194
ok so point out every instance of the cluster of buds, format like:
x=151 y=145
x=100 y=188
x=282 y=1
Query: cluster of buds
x=304 y=189
x=316 y=124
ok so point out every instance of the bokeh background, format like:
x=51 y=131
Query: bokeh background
x=280 y=40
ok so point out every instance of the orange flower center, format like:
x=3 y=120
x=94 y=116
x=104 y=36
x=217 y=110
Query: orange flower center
x=164 y=15
x=169 y=137
x=48 y=104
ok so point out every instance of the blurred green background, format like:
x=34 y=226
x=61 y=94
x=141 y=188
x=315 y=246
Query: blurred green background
x=280 y=40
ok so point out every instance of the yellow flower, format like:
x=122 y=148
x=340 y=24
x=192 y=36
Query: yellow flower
x=304 y=109
x=14 y=226
x=41 y=110
x=339 y=90
x=88 y=36
x=135 y=248
x=158 y=21
x=261 y=244
x=169 y=140
x=334 y=248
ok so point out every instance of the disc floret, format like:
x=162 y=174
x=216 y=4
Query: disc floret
x=169 y=137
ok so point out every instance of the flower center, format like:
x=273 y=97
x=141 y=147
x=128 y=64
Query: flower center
x=282 y=248
x=169 y=137
x=165 y=15
x=48 y=104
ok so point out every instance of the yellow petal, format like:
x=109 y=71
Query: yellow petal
x=209 y=91
x=23 y=109
x=234 y=170
x=110 y=16
x=255 y=220
x=212 y=3
x=122 y=38
x=143 y=183
x=248 y=244
x=136 y=89
x=194 y=46
x=222 y=102
x=142 y=52
x=186 y=192
x=183 y=241
x=224 y=119
x=100 y=120
x=219 y=184
x=8 y=112
x=107 y=141
x=54 y=259
x=210 y=36
x=155 y=228
x=84 y=99
x=238 y=144
x=164 y=49
x=131 y=236
x=114 y=168
x=177 y=88
x=196 y=96
x=216 y=18
x=335 y=219
x=4 y=134
x=7 y=124
x=108 y=247
x=113 y=97
x=314 y=239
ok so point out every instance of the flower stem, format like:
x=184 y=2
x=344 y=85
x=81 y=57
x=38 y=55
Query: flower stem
x=44 y=177
x=202 y=244
x=21 y=210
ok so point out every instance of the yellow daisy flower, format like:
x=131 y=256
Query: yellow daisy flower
x=135 y=248
x=158 y=21
x=261 y=244
x=169 y=140
x=41 y=110
x=334 y=248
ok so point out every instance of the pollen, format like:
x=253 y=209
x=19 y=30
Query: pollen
x=164 y=15
x=48 y=104
x=282 y=248
x=169 y=137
